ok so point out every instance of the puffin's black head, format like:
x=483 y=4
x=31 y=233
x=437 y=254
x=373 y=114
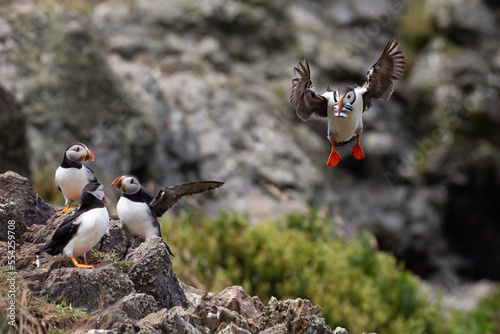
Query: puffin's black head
x=129 y=184
x=96 y=189
x=344 y=95
x=79 y=152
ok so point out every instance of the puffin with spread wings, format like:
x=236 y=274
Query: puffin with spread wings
x=139 y=209
x=345 y=106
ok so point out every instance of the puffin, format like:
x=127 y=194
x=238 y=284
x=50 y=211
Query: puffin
x=81 y=231
x=139 y=209
x=71 y=176
x=345 y=106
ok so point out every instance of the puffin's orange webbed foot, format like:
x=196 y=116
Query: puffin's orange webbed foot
x=80 y=265
x=357 y=151
x=64 y=210
x=334 y=158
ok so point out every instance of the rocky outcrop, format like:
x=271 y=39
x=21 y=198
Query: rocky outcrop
x=20 y=205
x=135 y=290
x=152 y=273
x=174 y=91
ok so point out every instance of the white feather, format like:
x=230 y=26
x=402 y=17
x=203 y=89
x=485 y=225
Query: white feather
x=137 y=218
x=341 y=129
x=72 y=181
x=93 y=225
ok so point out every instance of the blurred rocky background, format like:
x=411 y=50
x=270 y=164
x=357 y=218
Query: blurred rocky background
x=176 y=91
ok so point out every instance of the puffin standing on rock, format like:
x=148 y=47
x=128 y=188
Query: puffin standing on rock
x=345 y=106
x=139 y=209
x=77 y=234
x=71 y=176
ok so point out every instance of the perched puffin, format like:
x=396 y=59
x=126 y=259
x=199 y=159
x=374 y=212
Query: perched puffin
x=77 y=234
x=139 y=209
x=71 y=176
x=345 y=106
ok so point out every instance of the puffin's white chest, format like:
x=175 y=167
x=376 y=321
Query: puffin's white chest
x=342 y=129
x=93 y=225
x=137 y=218
x=72 y=181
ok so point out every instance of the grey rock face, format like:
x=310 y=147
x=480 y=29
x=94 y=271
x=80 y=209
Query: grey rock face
x=131 y=307
x=117 y=240
x=14 y=148
x=20 y=205
x=151 y=272
x=89 y=289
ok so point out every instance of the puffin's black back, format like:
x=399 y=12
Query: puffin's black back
x=142 y=196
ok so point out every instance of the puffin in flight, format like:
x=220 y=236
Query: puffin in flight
x=77 y=234
x=345 y=106
x=139 y=209
x=71 y=176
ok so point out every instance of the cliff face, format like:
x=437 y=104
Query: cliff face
x=174 y=91
x=130 y=290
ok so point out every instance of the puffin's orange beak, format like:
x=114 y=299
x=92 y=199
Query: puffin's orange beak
x=89 y=156
x=340 y=106
x=117 y=183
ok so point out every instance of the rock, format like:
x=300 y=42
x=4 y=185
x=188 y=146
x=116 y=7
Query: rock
x=151 y=272
x=179 y=320
x=218 y=318
x=143 y=294
x=465 y=22
x=116 y=241
x=89 y=289
x=20 y=205
x=136 y=305
x=42 y=234
x=128 y=309
x=14 y=148
x=235 y=298
x=297 y=315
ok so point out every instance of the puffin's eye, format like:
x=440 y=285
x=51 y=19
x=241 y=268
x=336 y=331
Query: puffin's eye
x=349 y=97
x=77 y=149
x=132 y=181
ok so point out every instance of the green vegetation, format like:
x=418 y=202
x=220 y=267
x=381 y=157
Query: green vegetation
x=358 y=287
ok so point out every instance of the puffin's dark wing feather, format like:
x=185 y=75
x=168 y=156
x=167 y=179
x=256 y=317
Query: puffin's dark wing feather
x=90 y=174
x=169 y=196
x=381 y=76
x=63 y=234
x=303 y=98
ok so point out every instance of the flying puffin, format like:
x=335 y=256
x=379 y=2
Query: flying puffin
x=345 y=106
x=77 y=234
x=139 y=209
x=71 y=176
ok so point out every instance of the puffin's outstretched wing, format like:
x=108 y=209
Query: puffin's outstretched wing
x=169 y=196
x=303 y=97
x=380 y=77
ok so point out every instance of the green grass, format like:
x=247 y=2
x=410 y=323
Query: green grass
x=357 y=286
